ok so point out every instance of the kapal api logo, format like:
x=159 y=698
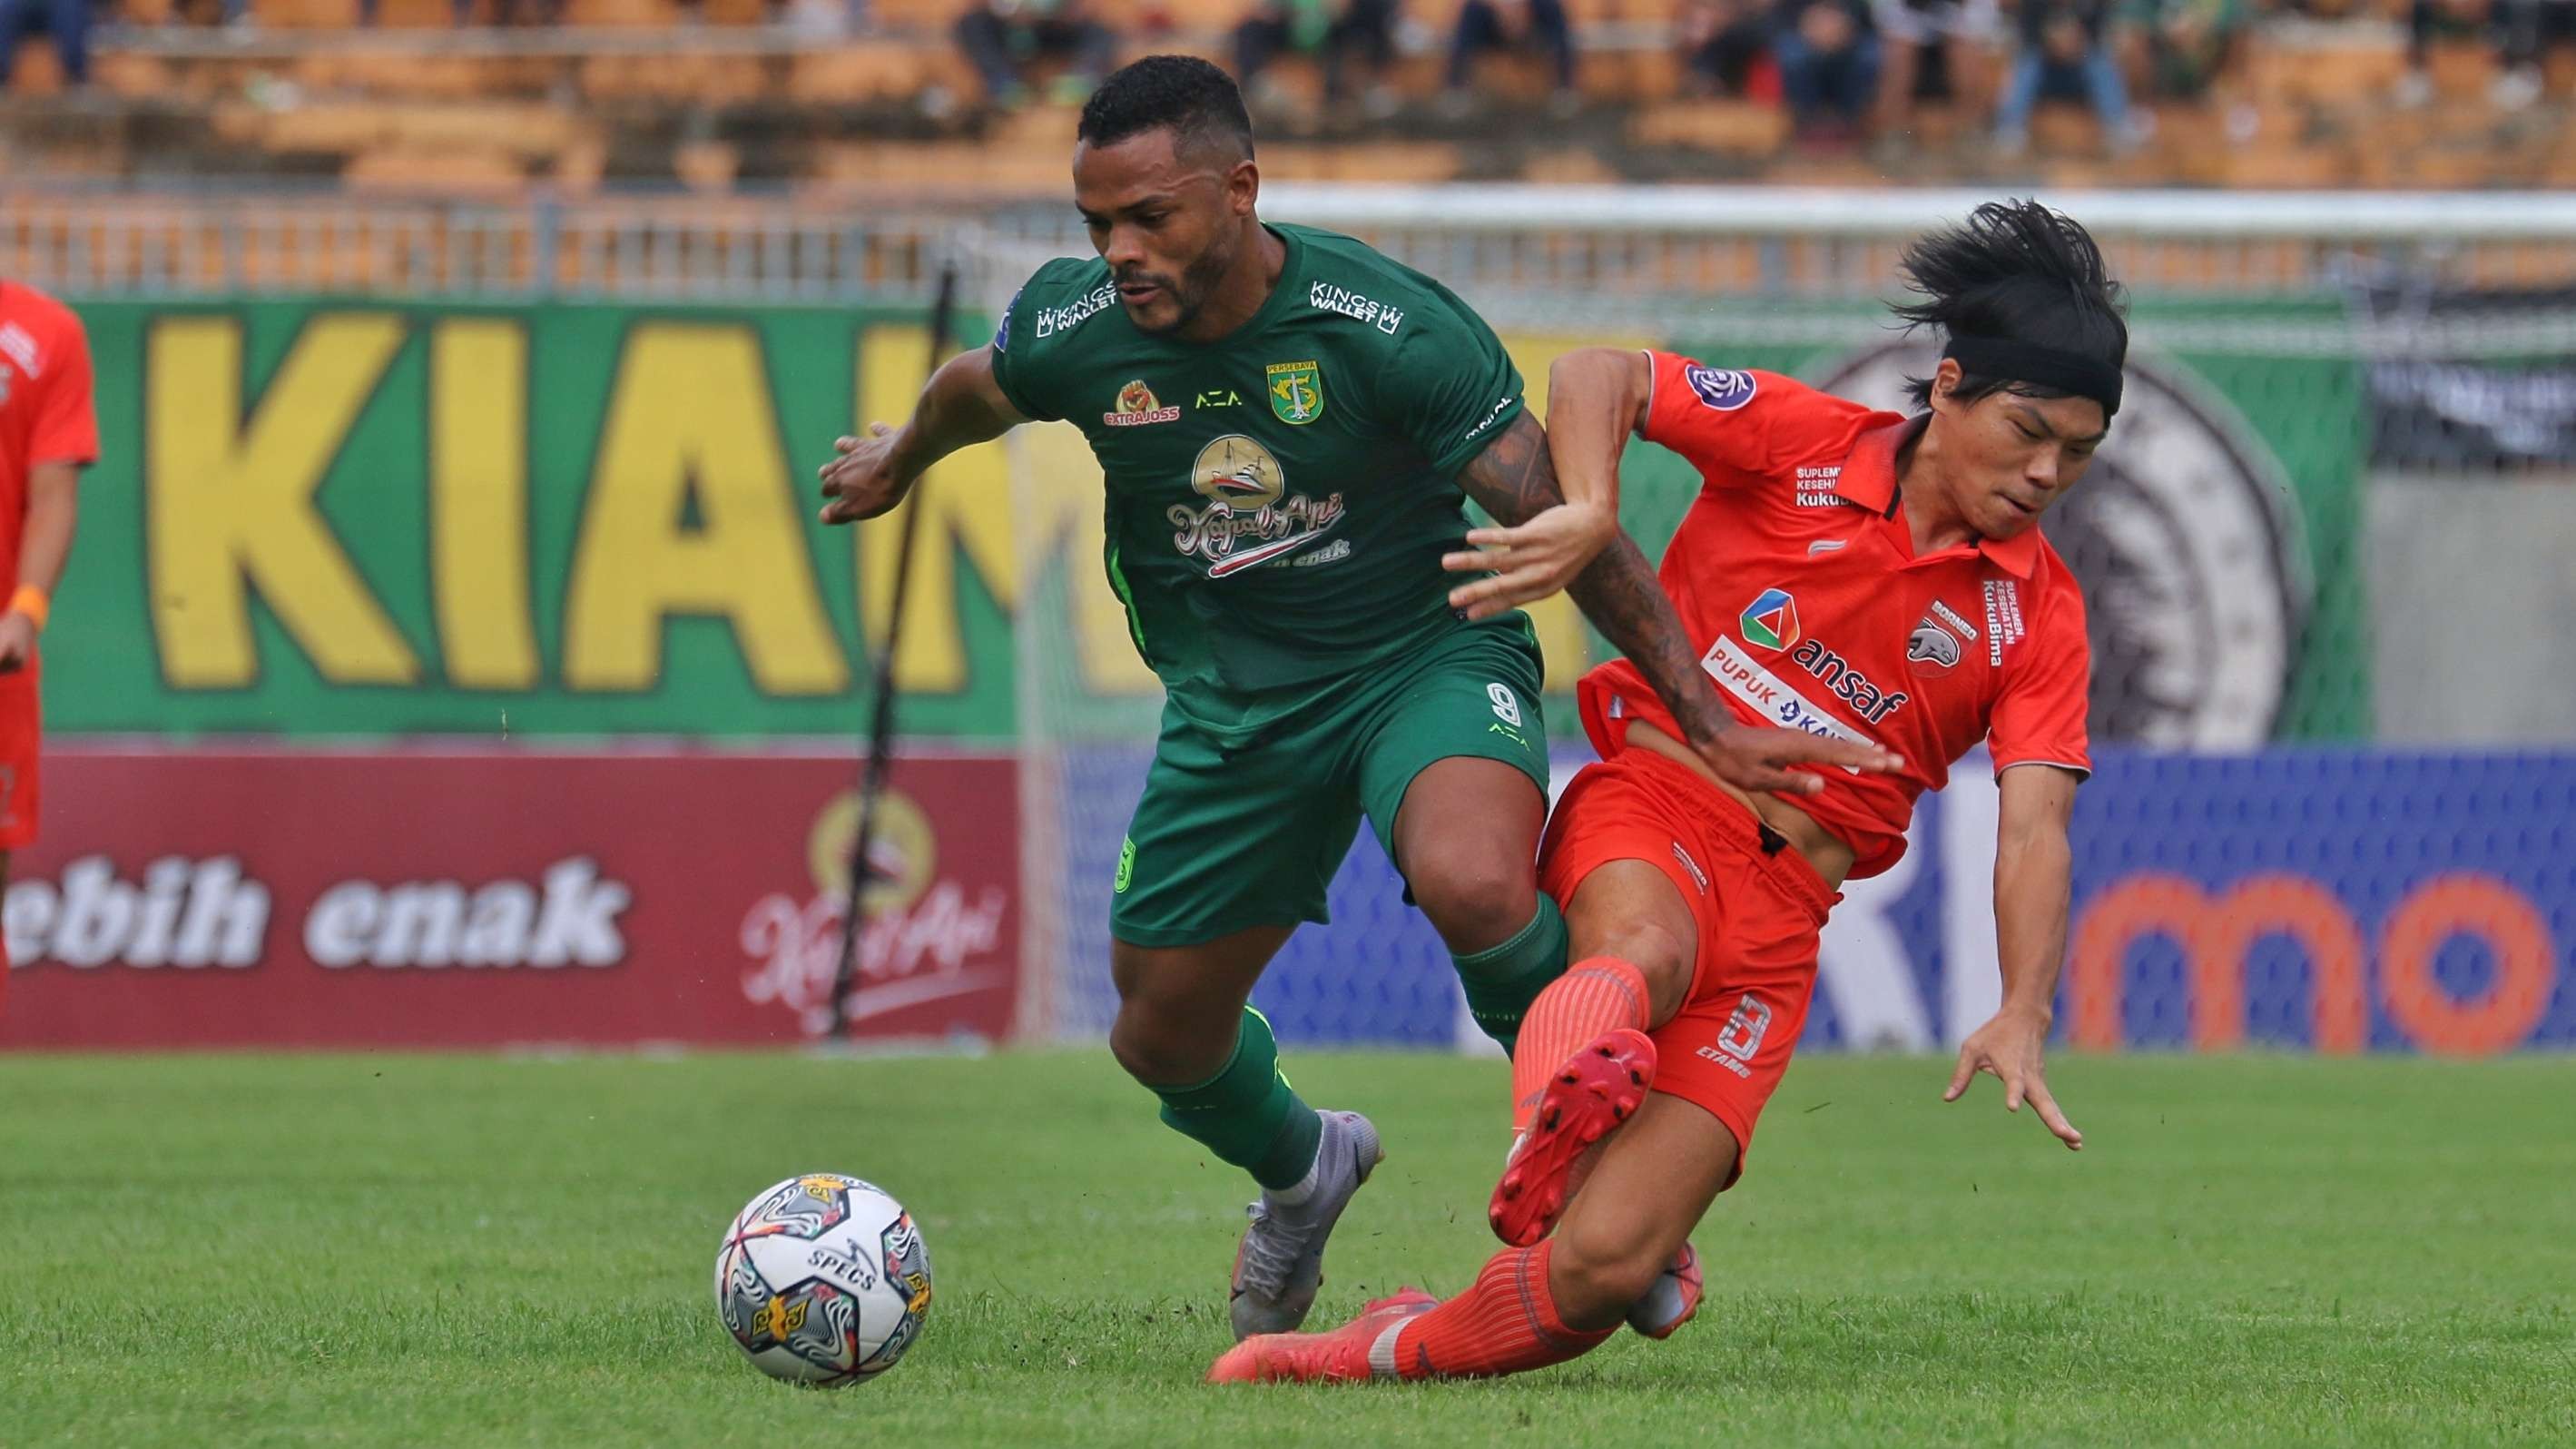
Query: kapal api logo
x=926 y=938
x=1249 y=517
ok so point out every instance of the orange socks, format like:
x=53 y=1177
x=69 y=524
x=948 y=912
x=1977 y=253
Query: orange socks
x=1595 y=995
x=1505 y=1324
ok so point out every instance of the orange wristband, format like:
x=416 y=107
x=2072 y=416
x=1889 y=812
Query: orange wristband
x=31 y=601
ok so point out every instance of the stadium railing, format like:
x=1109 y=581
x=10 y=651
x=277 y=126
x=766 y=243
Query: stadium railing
x=1647 y=245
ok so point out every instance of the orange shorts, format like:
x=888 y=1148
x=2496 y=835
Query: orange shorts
x=19 y=728
x=1760 y=912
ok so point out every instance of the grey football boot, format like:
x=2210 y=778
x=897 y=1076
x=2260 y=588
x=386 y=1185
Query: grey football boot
x=1281 y=1261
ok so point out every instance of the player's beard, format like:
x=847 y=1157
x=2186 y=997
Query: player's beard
x=1190 y=290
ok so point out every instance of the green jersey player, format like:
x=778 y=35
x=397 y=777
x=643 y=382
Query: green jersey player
x=1287 y=422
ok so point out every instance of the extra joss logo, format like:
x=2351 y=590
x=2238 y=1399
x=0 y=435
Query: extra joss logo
x=1137 y=406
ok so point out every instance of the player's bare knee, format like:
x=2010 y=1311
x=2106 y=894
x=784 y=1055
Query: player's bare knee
x=1661 y=957
x=1159 y=1047
x=1595 y=1278
x=1475 y=899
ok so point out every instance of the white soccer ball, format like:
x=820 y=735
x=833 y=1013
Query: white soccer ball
x=823 y=1279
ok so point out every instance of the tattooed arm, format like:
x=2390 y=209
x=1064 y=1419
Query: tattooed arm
x=1514 y=479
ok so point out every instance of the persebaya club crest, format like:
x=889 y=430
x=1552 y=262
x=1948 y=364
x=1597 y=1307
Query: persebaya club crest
x=1297 y=392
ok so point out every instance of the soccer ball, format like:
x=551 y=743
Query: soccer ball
x=823 y=1279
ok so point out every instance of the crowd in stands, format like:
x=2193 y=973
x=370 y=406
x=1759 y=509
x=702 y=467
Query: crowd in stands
x=1841 y=70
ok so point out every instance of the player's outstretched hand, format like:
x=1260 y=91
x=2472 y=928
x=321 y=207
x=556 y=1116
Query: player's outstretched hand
x=17 y=641
x=1529 y=562
x=860 y=482
x=1752 y=758
x=2008 y=1048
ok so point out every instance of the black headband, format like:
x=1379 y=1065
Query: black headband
x=2068 y=372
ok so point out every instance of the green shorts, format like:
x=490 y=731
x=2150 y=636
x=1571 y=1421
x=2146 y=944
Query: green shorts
x=1222 y=842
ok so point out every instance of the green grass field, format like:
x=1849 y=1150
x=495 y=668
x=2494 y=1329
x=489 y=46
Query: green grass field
x=454 y=1250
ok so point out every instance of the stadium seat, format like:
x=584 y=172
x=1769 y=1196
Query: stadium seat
x=914 y=19
x=875 y=70
x=2461 y=70
x=126 y=73
x=1748 y=129
x=1380 y=162
x=444 y=172
x=2339 y=71
x=35 y=70
x=416 y=14
x=305 y=14
x=2065 y=129
x=645 y=14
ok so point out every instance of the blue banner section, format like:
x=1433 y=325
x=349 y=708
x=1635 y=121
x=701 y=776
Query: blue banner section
x=2312 y=899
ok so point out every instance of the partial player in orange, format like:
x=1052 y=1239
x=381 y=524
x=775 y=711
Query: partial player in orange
x=48 y=433
x=1870 y=576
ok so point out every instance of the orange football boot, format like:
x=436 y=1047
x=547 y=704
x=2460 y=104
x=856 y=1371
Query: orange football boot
x=1359 y=1350
x=1598 y=1088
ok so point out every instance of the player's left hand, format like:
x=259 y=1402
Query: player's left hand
x=1531 y=561
x=17 y=641
x=2008 y=1049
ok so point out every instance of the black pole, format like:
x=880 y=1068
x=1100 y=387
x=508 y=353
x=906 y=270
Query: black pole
x=880 y=743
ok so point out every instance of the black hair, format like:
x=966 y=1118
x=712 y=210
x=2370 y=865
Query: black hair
x=2018 y=271
x=1197 y=101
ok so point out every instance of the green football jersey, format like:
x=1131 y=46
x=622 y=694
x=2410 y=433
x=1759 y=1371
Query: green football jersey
x=1278 y=499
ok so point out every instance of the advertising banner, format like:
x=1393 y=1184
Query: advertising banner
x=2494 y=391
x=429 y=898
x=2288 y=899
x=325 y=518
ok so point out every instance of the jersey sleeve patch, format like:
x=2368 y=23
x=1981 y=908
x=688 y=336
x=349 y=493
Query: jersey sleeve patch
x=1002 y=333
x=1707 y=415
x=1049 y=304
x=1720 y=388
x=2040 y=717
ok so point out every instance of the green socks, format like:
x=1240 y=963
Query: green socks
x=1248 y=1115
x=1503 y=980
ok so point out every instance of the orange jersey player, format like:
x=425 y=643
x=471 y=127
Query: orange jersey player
x=1870 y=576
x=48 y=433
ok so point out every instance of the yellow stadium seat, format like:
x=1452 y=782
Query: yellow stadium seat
x=1732 y=128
